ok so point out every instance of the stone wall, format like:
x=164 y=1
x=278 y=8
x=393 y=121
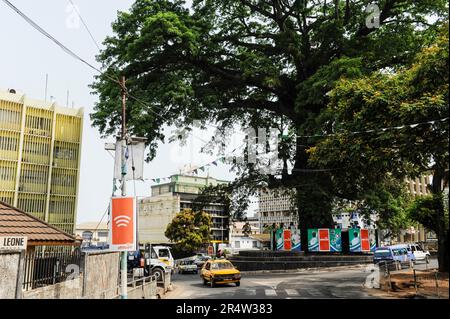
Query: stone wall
x=101 y=274
x=9 y=274
x=69 y=289
x=268 y=260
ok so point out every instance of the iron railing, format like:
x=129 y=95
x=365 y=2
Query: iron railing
x=44 y=268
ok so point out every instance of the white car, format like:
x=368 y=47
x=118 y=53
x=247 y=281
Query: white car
x=187 y=266
x=419 y=252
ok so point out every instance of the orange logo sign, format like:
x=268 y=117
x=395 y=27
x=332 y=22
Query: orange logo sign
x=122 y=223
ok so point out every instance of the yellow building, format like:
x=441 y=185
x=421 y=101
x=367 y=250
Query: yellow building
x=40 y=148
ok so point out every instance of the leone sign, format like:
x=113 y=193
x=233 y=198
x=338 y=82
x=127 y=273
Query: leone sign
x=13 y=243
x=122 y=224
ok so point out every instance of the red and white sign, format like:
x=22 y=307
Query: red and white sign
x=365 y=240
x=122 y=224
x=324 y=239
x=287 y=239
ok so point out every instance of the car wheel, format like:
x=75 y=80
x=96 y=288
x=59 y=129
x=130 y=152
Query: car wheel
x=158 y=273
x=238 y=284
x=427 y=259
x=204 y=281
x=211 y=282
x=196 y=271
x=398 y=265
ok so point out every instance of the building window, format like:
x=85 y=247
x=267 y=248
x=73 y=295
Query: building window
x=237 y=244
x=102 y=234
x=255 y=244
x=87 y=235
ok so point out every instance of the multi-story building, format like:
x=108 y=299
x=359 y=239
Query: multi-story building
x=40 y=145
x=93 y=234
x=418 y=187
x=168 y=199
x=276 y=207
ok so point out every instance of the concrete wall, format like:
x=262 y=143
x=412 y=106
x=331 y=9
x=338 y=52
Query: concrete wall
x=9 y=274
x=70 y=289
x=101 y=274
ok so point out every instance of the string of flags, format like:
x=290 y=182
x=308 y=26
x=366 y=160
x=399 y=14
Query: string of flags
x=384 y=129
x=195 y=171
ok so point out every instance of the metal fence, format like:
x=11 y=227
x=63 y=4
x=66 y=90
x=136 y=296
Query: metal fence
x=43 y=268
x=426 y=282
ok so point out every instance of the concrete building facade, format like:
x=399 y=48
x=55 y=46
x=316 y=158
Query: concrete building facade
x=40 y=148
x=93 y=233
x=168 y=199
x=275 y=208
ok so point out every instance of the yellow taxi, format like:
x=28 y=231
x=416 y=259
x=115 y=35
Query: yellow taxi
x=220 y=271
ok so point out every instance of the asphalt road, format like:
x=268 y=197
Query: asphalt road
x=330 y=283
x=341 y=282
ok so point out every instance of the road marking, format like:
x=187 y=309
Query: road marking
x=250 y=292
x=291 y=292
x=270 y=292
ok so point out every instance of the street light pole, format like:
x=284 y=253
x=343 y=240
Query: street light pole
x=123 y=254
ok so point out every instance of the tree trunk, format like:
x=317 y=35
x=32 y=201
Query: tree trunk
x=442 y=231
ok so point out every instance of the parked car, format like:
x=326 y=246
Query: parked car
x=220 y=271
x=419 y=252
x=187 y=266
x=200 y=260
x=397 y=254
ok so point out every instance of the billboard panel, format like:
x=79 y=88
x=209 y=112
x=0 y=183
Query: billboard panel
x=287 y=239
x=122 y=235
x=361 y=240
x=295 y=240
x=279 y=239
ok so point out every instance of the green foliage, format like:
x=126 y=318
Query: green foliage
x=189 y=230
x=273 y=64
x=425 y=210
x=247 y=229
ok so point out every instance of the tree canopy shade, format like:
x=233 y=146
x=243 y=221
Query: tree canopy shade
x=417 y=94
x=189 y=230
x=256 y=63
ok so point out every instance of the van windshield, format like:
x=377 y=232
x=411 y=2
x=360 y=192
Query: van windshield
x=382 y=253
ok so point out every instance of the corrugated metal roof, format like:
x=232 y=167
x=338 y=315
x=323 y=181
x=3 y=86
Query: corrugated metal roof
x=14 y=222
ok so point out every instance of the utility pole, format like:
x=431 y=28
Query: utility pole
x=123 y=165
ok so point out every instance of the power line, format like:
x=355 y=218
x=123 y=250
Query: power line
x=85 y=24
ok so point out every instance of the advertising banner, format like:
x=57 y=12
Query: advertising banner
x=360 y=240
x=335 y=240
x=287 y=240
x=122 y=225
x=313 y=239
x=295 y=240
x=324 y=240
x=279 y=239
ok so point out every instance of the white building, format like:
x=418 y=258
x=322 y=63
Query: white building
x=93 y=233
x=276 y=207
x=168 y=199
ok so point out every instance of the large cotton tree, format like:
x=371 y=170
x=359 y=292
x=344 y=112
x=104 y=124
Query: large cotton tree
x=258 y=63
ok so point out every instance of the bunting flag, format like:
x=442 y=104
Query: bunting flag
x=195 y=171
x=202 y=168
x=214 y=163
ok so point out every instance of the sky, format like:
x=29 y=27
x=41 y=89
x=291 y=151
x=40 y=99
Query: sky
x=26 y=57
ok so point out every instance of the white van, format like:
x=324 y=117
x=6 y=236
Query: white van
x=419 y=252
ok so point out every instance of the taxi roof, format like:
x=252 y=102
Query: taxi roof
x=219 y=260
